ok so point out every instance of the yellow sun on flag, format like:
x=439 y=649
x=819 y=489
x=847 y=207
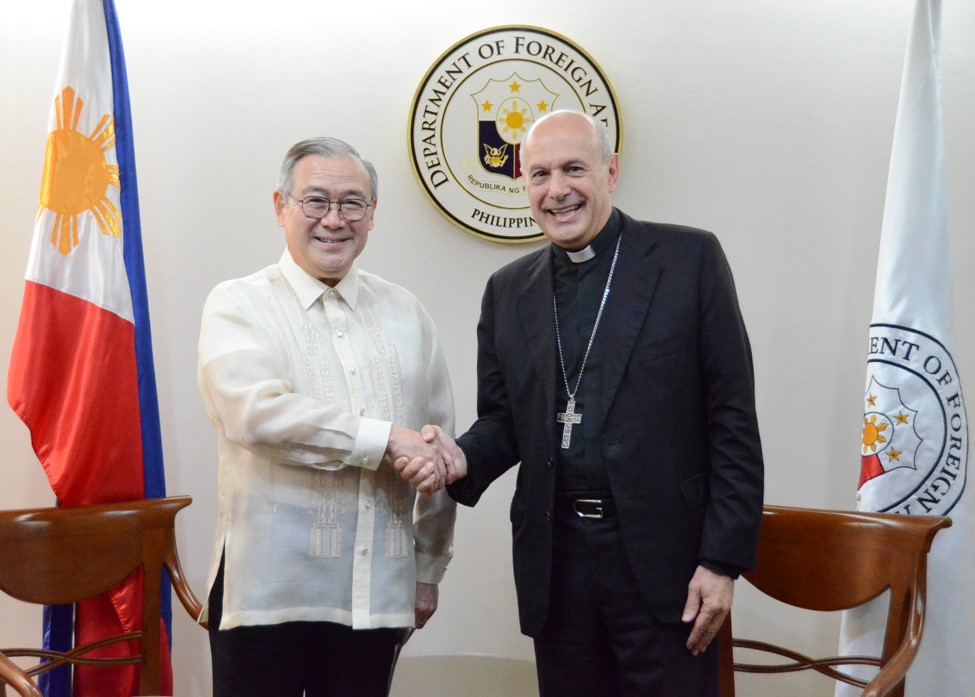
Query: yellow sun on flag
x=77 y=176
x=872 y=433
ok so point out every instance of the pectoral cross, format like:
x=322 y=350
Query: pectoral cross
x=568 y=417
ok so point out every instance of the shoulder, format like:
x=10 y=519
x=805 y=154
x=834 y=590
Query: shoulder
x=689 y=250
x=521 y=266
x=389 y=294
x=243 y=313
x=683 y=237
x=380 y=287
x=257 y=283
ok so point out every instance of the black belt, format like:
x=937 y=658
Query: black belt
x=588 y=504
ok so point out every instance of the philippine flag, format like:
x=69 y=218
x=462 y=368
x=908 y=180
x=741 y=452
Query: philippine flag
x=81 y=370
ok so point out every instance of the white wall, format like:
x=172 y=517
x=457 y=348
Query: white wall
x=769 y=123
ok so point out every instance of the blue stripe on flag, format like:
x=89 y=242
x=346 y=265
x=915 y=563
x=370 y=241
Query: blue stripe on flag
x=58 y=636
x=152 y=456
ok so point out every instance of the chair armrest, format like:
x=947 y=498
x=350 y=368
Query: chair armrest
x=896 y=669
x=183 y=591
x=12 y=675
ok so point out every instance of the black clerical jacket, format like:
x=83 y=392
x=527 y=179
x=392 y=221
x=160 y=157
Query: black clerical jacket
x=677 y=430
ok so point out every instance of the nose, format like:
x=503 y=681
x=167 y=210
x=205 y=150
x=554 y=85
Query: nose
x=558 y=185
x=332 y=219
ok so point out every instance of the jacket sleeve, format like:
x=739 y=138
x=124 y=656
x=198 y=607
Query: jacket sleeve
x=734 y=509
x=490 y=444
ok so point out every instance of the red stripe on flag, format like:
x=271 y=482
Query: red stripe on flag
x=72 y=379
x=98 y=618
x=870 y=467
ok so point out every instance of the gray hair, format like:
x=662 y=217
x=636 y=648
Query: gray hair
x=599 y=130
x=326 y=147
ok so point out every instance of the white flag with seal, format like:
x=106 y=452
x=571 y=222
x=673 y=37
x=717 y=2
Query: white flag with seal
x=914 y=452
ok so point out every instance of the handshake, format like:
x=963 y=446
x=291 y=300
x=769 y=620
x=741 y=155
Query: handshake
x=429 y=459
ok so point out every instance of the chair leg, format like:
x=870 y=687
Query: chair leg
x=726 y=659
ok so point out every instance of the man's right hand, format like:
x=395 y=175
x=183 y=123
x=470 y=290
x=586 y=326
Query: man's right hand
x=426 y=472
x=454 y=460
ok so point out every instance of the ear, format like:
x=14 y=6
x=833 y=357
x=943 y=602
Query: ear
x=614 y=171
x=371 y=213
x=279 y=203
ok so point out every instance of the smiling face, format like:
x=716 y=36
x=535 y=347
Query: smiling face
x=568 y=181
x=325 y=248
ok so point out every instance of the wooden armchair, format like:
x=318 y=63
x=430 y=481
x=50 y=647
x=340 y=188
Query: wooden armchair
x=63 y=555
x=832 y=560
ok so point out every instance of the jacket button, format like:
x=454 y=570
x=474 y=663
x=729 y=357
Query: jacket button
x=550 y=463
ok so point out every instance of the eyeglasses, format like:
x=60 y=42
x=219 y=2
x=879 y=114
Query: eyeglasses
x=317 y=207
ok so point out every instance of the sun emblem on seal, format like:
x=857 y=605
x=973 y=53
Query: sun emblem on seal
x=914 y=441
x=889 y=439
x=506 y=110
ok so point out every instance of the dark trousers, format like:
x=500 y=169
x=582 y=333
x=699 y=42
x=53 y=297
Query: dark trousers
x=601 y=640
x=292 y=659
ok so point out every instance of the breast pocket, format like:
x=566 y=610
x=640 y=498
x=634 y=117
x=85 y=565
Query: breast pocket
x=649 y=353
x=659 y=367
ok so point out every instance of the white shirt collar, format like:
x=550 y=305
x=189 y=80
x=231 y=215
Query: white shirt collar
x=310 y=289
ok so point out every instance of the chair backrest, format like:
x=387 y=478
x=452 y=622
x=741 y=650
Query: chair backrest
x=65 y=555
x=834 y=560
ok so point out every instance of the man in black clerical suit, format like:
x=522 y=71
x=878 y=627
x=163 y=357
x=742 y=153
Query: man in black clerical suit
x=614 y=366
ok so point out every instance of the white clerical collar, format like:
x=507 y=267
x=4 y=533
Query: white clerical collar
x=582 y=255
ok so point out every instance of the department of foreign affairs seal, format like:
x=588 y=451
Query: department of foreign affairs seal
x=914 y=451
x=472 y=110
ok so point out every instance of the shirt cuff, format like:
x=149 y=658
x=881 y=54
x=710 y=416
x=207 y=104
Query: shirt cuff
x=430 y=568
x=370 y=443
x=720 y=567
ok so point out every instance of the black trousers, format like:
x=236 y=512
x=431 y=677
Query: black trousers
x=295 y=659
x=601 y=640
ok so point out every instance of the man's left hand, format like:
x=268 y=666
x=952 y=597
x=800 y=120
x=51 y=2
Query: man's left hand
x=427 y=595
x=709 y=597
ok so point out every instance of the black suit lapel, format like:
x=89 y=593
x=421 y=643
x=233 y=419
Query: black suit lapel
x=538 y=325
x=626 y=309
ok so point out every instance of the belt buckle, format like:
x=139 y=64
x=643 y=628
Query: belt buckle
x=598 y=504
